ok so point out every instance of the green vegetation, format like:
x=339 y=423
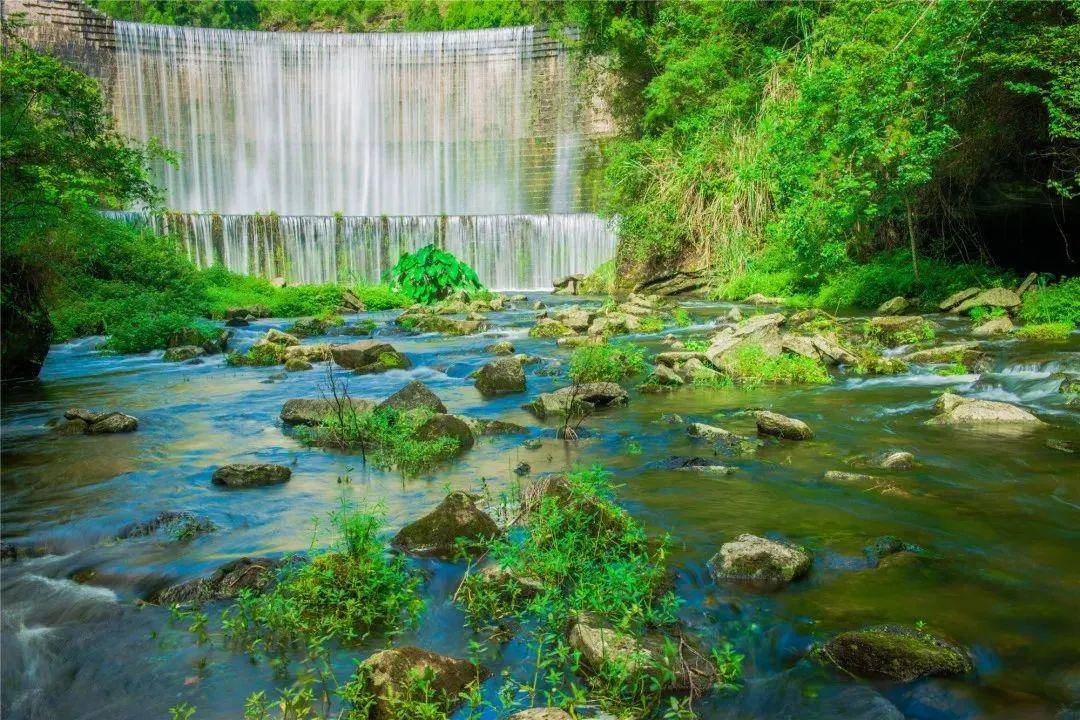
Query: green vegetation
x=1045 y=331
x=606 y=363
x=982 y=314
x=600 y=281
x=650 y=324
x=342 y=594
x=751 y=366
x=1058 y=303
x=431 y=274
x=380 y=297
x=681 y=317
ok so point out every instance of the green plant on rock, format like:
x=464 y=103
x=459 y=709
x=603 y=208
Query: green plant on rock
x=343 y=594
x=650 y=324
x=1058 y=303
x=1045 y=332
x=606 y=363
x=982 y=314
x=751 y=365
x=261 y=354
x=431 y=274
x=681 y=317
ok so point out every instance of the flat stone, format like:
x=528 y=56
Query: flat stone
x=958 y=297
x=991 y=414
x=994 y=297
x=246 y=475
x=313 y=411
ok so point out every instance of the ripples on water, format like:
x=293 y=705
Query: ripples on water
x=999 y=513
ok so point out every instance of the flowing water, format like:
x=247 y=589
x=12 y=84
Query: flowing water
x=999 y=514
x=507 y=251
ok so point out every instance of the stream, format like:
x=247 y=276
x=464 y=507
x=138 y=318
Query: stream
x=1000 y=516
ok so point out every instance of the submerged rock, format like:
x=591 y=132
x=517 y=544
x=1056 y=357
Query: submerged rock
x=390 y=677
x=895 y=652
x=182 y=353
x=481 y=426
x=575 y=399
x=887 y=545
x=368 y=356
x=682 y=462
x=991 y=414
x=781 y=426
x=255 y=574
x=437 y=532
x=763 y=563
x=503 y=347
x=245 y=475
x=500 y=377
x=414 y=396
x=840 y=476
x=179 y=524
x=95 y=423
x=313 y=411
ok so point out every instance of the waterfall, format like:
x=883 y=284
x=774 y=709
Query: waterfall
x=509 y=252
x=427 y=123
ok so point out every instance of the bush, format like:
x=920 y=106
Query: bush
x=1053 y=304
x=606 y=363
x=431 y=274
x=380 y=297
x=342 y=594
x=225 y=290
x=1045 y=331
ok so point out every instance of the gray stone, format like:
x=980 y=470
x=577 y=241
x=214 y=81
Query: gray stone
x=114 y=422
x=781 y=426
x=246 y=475
x=895 y=653
x=441 y=425
x=297 y=365
x=758 y=561
x=437 y=533
x=995 y=297
x=500 y=377
x=994 y=326
x=577 y=399
x=252 y=574
x=414 y=396
x=367 y=356
x=958 y=297
x=389 y=676
x=503 y=347
x=279 y=338
x=181 y=353
x=988 y=414
x=313 y=411
x=896 y=306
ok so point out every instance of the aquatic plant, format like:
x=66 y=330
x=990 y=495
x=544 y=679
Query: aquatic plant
x=651 y=324
x=751 y=366
x=431 y=274
x=606 y=363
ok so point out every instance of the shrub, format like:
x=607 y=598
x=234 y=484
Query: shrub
x=1053 y=304
x=1045 y=331
x=344 y=593
x=431 y=274
x=606 y=363
x=982 y=314
x=380 y=297
x=258 y=355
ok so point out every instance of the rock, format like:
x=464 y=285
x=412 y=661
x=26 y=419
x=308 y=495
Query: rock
x=896 y=306
x=479 y=427
x=425 y=321
x=573 y=341
x=666 y=376
x=546 y=327
x=678 y=282
x=840 y=476
x=603 y=647
x=414 y=396
x=503 y=347
x=956 y=410
x=351 y=301
x=181 y=353
x=319 y=352
x=894 y=460
x=568 y=285
x=278 y=282
x=254 y=574
x=545 y=713
x=538 y=305
x=368 y=356
x=179 y=524
x=759 y=299
x=296 y=365
x=734 y=315
x=577 y=399
x=1027 y=284
x=441 y=426
x=113 y=422
x=831 y=352
x=1068 y=446
x=887 y=545
x=681 y=462
x=577 y=319
x=245 y=475
x=1070 y=384
x=279 y=338
x=758 y=561
x=500 y=377
x=309 y=327
x=900 y=329
x=389 y=676
x=896 y=653
x=360 y=327
x=781 y=426
x=994 y=326
x=995 y=297
x=237 y=322
x=312 y=411
x=958 y=297
x=712 y=433
x=553 y=486
x=248 y=312
x=437 y=532
x=675 y=358
x=966 y=353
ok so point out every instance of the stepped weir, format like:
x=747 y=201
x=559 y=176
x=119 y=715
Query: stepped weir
x=323 y=156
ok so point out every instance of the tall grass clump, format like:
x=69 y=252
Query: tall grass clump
x=606 y=363
x=1058 y=303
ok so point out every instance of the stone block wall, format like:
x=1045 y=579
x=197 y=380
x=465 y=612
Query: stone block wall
x=70 y=30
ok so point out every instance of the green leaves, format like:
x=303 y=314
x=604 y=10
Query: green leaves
x=431 y=274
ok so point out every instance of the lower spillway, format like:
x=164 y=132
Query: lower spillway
x=508 y=252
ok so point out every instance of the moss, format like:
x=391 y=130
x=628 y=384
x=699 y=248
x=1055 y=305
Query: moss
x=895 y=652
x=259 y=355
x=1045 y=332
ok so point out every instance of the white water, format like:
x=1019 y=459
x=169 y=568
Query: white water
x=459 y=123
x=508 y=252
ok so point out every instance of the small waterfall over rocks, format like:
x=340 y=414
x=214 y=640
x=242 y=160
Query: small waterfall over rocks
x=484 y=127
x=509 y=252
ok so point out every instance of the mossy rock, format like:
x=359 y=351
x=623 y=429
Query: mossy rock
x=896 y=653
x=437 y=532
x=548 y=328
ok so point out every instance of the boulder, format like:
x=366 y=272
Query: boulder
x=247 y=312
x=900 y=329
x=544 y=713
x=994 y=326
x=441 y=425
x=760 y=562
x=368 y=356
x=577 y=319
x=666 y=376
x=351 y=301
x=962 y=352
x=895 y=653
x=182 y=353
x=578 y=399
x=179 y=524
x=547 y=327
x=237 y=322
x=297 y=364
x=427 y=322
x=389 y=676
x=312 y=411
x=309 y=327
x=279 y=338
x=437 y=532
x=503 y=347
x=414 y=396
x=675 y=358
x=830 y=351
x=500 y=377
x=896 y=306
x=1027 y=284
x=958 y=297
x=254 y=574
x=480 y=426
x=712 y=433
x=360 y=327
x=781 y=426
x=319 y=352
x=245 y=475
x=94 y=423
x=568 y=285
x=994 y=297
x=892 y=460
x=956 y=410
x=603 y=647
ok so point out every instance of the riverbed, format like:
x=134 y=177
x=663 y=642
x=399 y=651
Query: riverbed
x=998 y=516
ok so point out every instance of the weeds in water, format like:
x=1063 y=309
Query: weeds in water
x=342 y=594
x=955 y=368
x=606 y=363
x=650 y=324
x=681 y=317
x=183 y=711
x=751 y=366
